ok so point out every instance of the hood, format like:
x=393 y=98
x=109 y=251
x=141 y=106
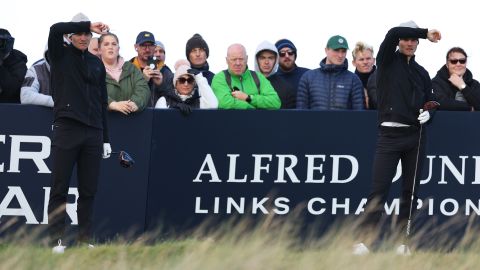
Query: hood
x=265 y=45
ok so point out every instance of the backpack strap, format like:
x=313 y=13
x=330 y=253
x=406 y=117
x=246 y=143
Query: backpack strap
x=228 y=78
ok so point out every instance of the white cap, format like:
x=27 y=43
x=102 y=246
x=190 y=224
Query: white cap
x=410 y=24
x=80 y=17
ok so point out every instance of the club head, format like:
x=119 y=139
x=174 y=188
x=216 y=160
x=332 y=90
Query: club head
x=126 y=161
x=430 y=105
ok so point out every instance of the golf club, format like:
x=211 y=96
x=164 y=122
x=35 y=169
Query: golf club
x=430 y=105
x=126 y=161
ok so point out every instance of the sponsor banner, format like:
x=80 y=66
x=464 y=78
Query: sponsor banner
x=234 y=163
x=318 y=164
x=25 y=173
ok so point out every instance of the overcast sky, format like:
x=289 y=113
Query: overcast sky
x=308 y=23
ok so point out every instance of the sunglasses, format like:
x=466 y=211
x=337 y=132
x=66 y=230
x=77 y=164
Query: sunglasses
x=455 y=61
x=283 y=54
x=189 y=80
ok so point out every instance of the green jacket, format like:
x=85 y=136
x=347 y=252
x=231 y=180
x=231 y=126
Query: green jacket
x=266 y=98
x=132 y=86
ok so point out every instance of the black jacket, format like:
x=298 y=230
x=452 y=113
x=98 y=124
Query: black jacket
x=78 y=79
x=445 y=92
x=402 y=86
x=285 y=90
x=12 y=73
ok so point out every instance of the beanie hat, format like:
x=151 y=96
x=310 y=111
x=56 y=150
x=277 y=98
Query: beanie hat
x=160 y=44
x=80 y=17
x=196 y=42
x=410 y=24
x=181 y=68
x=6 y=44
x=282 y=43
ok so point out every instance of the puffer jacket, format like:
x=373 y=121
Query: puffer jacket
x=330 y=87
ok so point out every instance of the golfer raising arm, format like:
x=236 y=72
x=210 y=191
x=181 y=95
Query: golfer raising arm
x=403 y=88
x=80 y=134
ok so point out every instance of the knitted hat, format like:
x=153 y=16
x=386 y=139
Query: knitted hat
x=196 y=42
x=145 y=36
x=6 y=42
x=160 y=44
x=337 y=42
x=80 y=17
x=181 y=68
x=410 y=24
x=282 y=43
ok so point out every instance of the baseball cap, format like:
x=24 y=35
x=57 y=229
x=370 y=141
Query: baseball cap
x=145 y=36
x=337 y=42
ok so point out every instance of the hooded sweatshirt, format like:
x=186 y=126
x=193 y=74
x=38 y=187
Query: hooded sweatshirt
x=285 y=90
x=36 y=87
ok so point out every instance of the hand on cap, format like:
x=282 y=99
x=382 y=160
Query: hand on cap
x=99 y=28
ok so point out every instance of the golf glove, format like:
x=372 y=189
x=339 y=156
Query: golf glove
x=107 y=150
x=423 y=117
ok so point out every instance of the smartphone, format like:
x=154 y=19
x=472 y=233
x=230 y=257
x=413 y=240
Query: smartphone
x=152 y=62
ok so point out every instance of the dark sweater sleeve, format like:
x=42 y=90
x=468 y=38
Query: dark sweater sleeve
x=387 y=49
x=55 y=37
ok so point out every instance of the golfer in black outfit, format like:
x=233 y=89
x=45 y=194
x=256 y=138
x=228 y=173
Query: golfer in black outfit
x=80 y=133
x=403 y=87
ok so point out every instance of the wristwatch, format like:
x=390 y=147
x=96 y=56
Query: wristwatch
x=463 y=86
x=249 y=99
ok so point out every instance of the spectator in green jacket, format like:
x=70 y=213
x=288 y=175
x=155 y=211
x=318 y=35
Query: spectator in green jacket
x=240 y=88
x=128 y=91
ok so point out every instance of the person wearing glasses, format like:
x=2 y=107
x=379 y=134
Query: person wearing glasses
x=266 y=62
x=454 y=86
x=288 y=69
x=13 y=67
x=191 y=91
x=403 y=89
x=331 y=86
x=240 y=88
x=158 y=81
x=127 y=91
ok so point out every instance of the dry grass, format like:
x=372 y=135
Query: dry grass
x=240 y=245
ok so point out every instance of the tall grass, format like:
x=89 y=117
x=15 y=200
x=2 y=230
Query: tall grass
x=242 y=244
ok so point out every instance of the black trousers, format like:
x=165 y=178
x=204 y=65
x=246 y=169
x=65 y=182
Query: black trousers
x=394 y=144
x=74 y=143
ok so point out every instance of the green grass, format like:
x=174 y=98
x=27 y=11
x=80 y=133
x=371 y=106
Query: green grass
x=270 y=245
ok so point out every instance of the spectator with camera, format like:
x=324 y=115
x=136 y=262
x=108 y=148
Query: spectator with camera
x=454 y=86
x=151 y=67
x=127 y=91
x=197 y=53
x=13 y=66
x=191 y=91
